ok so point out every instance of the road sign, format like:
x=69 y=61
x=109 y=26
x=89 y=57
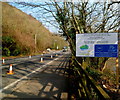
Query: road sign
x=97 y=45
x=107 y=50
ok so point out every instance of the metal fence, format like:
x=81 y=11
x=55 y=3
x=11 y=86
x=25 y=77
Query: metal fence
x=87 y=88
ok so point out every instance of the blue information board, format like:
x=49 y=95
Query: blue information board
x=106 y=50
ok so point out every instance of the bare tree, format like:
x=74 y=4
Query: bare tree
x=79 y=17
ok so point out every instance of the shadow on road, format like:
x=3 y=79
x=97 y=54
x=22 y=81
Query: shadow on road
x=51 y=83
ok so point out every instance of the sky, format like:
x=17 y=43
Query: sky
x=58 y=0
x=38 y=15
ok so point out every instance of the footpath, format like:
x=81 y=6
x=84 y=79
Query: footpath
x=49 y=83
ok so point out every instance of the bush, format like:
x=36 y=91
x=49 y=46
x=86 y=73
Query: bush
x=6 y=52
x=16 y=52
x=9 y=46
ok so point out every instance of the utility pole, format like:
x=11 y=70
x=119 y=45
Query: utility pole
x=35 y=42
x=55 y=44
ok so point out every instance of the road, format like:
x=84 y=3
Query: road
x=35 y=79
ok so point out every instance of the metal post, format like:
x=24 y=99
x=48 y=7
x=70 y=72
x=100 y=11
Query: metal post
x=117 y=73
x=117 y=63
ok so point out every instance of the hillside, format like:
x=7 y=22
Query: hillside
x=19 y=30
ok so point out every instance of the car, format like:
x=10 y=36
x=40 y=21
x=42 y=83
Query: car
x=48 y=49
x=65 y=49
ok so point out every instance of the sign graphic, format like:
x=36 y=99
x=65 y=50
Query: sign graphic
x=97 y=45
x=108 y=50
x=84 y=47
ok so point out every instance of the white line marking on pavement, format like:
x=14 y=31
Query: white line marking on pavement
x=14 y=64
x=25 y=77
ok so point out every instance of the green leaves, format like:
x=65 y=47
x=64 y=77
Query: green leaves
x=9 y=46
x=6 y=51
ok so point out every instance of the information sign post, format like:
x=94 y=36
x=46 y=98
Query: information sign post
x=117 y=73
x=99 y=45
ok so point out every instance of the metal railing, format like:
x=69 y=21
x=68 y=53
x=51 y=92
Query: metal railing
x=86 y=86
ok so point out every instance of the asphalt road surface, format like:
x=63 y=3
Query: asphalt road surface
x=32 y=78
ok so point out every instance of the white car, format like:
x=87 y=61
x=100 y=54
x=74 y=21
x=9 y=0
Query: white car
x=48 y=49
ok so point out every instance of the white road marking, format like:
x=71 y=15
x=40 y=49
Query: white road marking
x=24 y=77
x=7 y=66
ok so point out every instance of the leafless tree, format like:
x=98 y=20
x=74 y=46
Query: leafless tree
x=79 y=17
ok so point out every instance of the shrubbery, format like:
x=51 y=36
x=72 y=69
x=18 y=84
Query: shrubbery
x=19 y=31
x=9 y=46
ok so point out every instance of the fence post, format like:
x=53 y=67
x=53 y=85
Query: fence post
x=117 y=73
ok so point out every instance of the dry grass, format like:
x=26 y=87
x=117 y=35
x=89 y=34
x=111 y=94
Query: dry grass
x=23 y=27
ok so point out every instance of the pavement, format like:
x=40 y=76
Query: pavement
x=49 y=82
